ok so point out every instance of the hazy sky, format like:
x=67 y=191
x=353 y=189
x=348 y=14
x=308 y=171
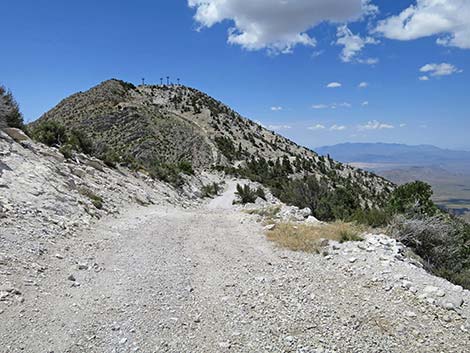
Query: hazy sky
x=318 y=71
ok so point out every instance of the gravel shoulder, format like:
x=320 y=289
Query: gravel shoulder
x=167 y=279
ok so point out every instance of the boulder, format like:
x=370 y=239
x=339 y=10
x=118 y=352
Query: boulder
x=16 y=134
x=312 y=220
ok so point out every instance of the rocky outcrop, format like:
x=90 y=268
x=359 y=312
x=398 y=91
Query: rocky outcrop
x=43 y=196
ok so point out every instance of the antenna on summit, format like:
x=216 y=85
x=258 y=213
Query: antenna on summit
x=168 y=80
x=161 y=81
x=178 y=80
x=143 y=81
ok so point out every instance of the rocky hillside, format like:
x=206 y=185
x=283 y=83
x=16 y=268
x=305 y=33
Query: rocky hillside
x=169 y=124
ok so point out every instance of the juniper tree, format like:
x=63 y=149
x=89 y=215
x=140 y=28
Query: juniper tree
x=9 y=110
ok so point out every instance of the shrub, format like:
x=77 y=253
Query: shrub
x=66 y=151
x=54 y=134
x=260 y=193
x=210 y=190
x=167 y=172
x=80 y=142
x=246 y=194
x=110 y=158
x=441 y=241
x=50 y=133
x=186 y=167
x=96 y=200
x=413 y=199
x=372 y=217
x=227 y=148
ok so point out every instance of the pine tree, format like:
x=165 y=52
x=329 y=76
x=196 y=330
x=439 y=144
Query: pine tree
x=9 y=110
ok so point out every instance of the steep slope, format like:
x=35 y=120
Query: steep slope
x=168 y=124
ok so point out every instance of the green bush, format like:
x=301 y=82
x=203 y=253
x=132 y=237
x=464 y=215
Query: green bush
x=79 y=141
x=373 y=217
x=413 y=199
x=66 y=151
x=110 y=158
x=169 y=173
x=260 y=193
x=96 y=200
x=186 y=167
x=54 y=134
x=210 y=190
x=246 y=194
x=9 y=110
x=50 y=133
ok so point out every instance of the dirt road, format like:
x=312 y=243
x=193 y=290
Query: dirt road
x=162 y=279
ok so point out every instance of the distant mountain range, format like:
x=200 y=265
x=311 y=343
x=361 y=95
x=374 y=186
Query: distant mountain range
x=448 y=171
x=384 y=156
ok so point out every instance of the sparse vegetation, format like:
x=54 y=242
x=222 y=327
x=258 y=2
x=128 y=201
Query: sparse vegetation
x=95 y=199
x=310 y=238
x=54 y=134
x=268 y=213
x=210 y=190
x=50 y=133
x=246 y=194
x=440 y=239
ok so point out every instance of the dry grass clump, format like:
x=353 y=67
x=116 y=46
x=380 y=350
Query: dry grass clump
x=266 y=212
x=312 y=238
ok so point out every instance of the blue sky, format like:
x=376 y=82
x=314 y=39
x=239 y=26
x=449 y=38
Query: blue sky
x=273 y=67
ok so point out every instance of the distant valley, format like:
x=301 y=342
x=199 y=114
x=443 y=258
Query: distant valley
x=448 y=171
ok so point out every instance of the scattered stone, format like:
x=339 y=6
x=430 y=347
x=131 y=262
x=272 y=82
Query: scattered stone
x=82 y=266
x=71 y=278
x=446 y=318
x=225 y=345
x=270 y=227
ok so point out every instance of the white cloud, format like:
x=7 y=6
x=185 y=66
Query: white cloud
x=353 y=44
x=332 y=105
x=423 y=78
x=276 y=109
x=368 y=61
x=338 y=127
x=317 y=127
x=402 y=125
x=334 y=85
x=341 y=105
x=375 y=125
x=365 y=103
x=443 y=69
x=276 y=25
x=279 y=127
x=363 y=85
x=449 y=19
x=317 y=53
